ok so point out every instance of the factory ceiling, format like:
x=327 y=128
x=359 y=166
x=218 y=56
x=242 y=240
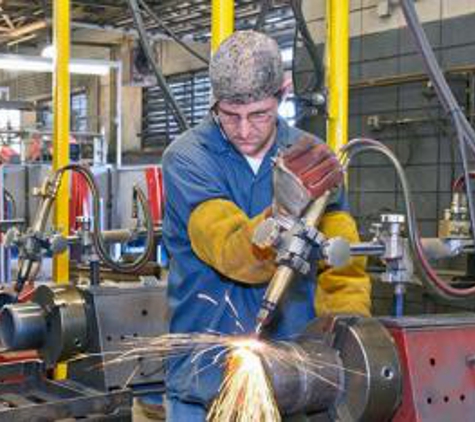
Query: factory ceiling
x=28 y=22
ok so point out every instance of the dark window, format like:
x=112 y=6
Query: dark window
x=192 y=92
x=78 y=113
x=45 y=115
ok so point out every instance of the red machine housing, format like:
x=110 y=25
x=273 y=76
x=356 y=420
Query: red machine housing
x=437 y=355
x=156 y=194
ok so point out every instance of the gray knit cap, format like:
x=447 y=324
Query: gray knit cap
x=247 y=67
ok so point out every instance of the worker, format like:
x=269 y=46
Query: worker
x=218 y=184
x=8 y=155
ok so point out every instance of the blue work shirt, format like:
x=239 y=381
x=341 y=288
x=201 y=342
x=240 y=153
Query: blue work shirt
x=199 y=166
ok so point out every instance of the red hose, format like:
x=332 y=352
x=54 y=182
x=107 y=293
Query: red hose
x=459 y=183
x=438 y=282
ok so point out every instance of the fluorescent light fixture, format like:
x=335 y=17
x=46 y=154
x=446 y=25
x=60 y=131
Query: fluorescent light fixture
x=20 y=63
x=89 y=68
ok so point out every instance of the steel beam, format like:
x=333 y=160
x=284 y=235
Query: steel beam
x=61 y=122
x=222 y=22
x=338 y=20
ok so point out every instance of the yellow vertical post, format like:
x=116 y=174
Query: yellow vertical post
x=338 y=23
x=222 y=22
x=61 y=113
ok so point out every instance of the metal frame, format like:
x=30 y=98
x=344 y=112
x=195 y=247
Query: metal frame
x=186 y=18
x=338 y=22
x=222 y=21
x=33 y=397
x=61 y=126
x=45 y=64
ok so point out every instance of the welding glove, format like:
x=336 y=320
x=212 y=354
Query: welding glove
x=303 y=173
x=344 y=290
x=221 y=236
x=221 y=233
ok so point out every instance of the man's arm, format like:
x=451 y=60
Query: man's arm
x=347 y=289
x=221 y=236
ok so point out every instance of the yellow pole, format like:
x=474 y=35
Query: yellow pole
x=338 y=23
x=222 y=22
x=61 y=113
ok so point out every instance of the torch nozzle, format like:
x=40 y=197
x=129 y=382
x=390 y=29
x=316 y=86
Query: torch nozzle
x=286 y=272
x=259 y=328
x=264 y=316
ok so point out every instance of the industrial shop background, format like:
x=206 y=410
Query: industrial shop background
x=120 y=121
x=391 y=99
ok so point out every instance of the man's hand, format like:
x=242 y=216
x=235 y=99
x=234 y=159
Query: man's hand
x=303 y=173
x=315 y=165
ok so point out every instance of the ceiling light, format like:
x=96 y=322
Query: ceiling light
x=17 y=63
x=89 y=68
x=45 y=64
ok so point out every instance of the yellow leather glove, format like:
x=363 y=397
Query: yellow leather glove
x=344 y=290
x=221 y=236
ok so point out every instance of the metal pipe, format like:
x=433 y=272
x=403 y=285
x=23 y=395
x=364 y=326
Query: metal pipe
x=313 y=382
x=29 y=263
x=117 y=235
x=118 y=122
x=23 y=326
x=358 y=146
x=61 y=116
x=55 y=322
x=27 y=29
x=367 y=249
x=222 y=22
x=436 y=249
x=338 y=18
x=399 y=300
x=61 y=113
x=99 y=244
x=346 y=366
x=21 y=40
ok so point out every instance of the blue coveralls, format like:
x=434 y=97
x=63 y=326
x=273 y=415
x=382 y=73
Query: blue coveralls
x=199 y=166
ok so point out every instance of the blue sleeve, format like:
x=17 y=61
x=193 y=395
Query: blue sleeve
x=338 y=201
x=189 y=182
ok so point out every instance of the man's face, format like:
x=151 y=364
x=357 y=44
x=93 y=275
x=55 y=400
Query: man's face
x=249 y=127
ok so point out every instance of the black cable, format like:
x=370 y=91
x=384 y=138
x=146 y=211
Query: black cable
x=261 y=17
x=435 y=73
x=444 y=93
x=168 y=95
x=465 y=133
x=308 y=42
x=171 y=33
